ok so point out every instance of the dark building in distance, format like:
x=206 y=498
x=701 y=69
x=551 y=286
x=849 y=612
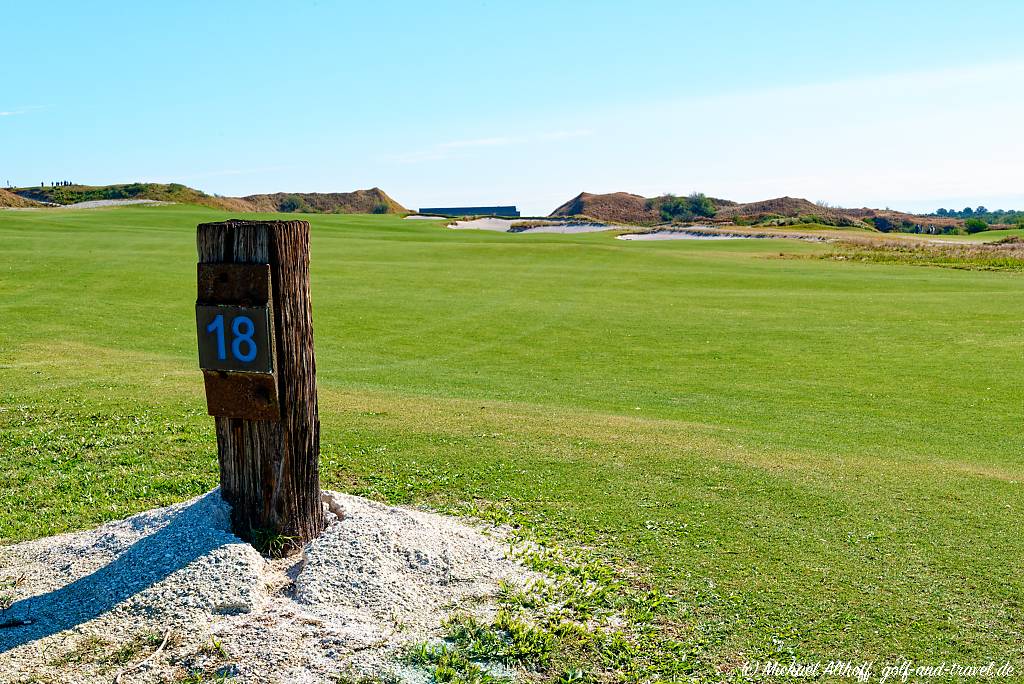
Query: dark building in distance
x=471 y=211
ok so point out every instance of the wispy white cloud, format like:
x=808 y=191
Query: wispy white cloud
x=20 y=110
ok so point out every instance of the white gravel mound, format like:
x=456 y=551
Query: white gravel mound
x=376 y=580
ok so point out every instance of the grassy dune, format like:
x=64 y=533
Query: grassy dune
x=815 y=457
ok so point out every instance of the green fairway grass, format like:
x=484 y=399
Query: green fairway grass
x=818 y=459
x=985 y=235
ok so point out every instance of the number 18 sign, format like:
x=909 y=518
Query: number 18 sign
x=235 y=324
x=234 y=338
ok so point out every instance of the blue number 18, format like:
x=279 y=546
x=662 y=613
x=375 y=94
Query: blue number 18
x=243 y=329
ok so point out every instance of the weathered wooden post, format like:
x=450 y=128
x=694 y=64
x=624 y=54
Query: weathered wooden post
x=255 y=330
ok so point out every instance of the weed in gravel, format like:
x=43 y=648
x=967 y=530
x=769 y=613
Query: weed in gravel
x=216 y=677
x=271 y=543
x=146 y=642
x=9 y=592
x=349 y=678
x=89 y=649
x=214 y=648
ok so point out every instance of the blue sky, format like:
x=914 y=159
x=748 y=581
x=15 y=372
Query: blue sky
x=912 y=105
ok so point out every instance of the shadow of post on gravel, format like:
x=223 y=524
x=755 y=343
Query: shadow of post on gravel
x=144 y=563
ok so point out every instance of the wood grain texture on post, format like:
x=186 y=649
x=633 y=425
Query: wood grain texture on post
x=269 y=469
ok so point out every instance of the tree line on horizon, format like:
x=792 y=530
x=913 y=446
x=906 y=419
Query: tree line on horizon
x=983 y=214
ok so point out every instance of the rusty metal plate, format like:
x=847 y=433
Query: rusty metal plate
x=238 y=284
x=241 y=395
x=235 y=338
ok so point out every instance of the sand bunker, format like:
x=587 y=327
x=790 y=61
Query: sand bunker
x=717 y=235
x=680 y=235
x=96 y=204
x=376 y=580
x=497 y=224
x=509 y=226
x=568 y=228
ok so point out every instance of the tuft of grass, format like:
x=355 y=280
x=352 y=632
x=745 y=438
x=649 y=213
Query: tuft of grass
x=97 y=650
x=574 y=676
x=88 y=649
x=215 y=648
x=385 y=678
x=450 y=666
x=506 y=640
x=140 y=645
x=198 y=677
x=9 y=592
x=271 y=543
